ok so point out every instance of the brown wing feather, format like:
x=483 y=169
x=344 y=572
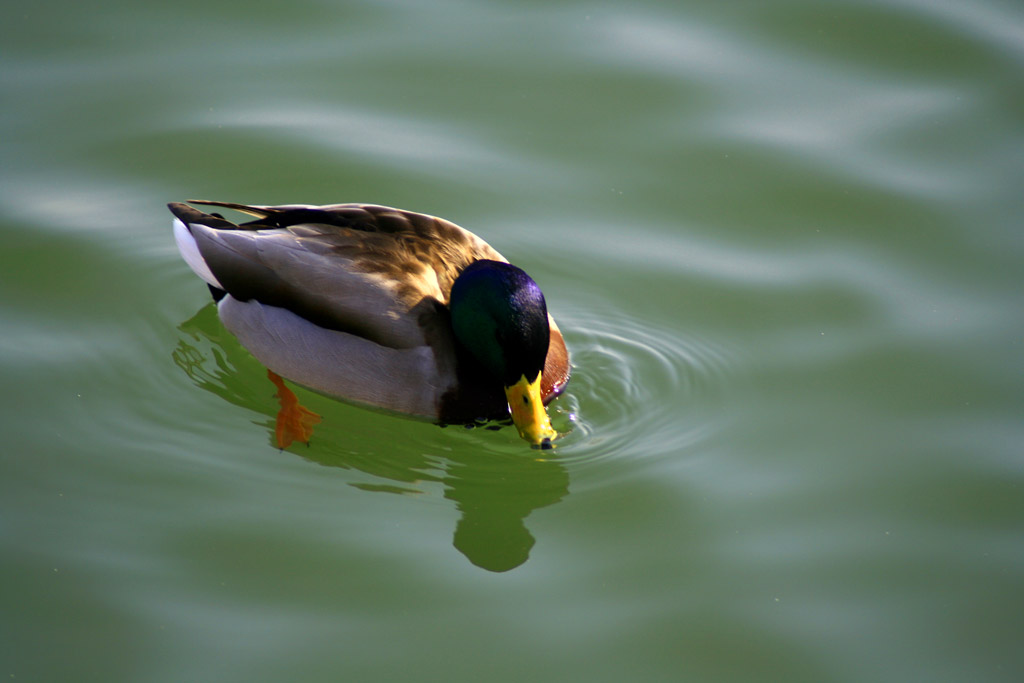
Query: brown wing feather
x=366 y=269
x=421 y=254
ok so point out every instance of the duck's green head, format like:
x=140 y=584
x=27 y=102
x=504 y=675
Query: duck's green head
x=499 y=315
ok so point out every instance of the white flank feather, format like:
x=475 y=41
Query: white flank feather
x=336 y=363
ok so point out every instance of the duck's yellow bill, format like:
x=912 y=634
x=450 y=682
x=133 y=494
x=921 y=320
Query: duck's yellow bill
x=528 y=414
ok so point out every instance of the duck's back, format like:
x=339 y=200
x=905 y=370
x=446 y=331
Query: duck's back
x=369 y=270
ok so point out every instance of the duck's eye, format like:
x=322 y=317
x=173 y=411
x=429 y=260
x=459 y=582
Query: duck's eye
x=526 y=400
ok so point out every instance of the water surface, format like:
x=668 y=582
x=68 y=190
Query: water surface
x=783 y=241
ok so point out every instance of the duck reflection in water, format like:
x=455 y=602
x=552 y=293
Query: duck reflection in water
x=494 y=492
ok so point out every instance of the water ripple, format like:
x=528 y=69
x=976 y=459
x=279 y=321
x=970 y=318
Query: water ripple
x=638 y=388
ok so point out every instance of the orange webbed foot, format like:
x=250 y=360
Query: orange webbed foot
x=294 y=421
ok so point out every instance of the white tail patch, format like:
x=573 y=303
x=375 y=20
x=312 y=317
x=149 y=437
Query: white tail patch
x=190 y=252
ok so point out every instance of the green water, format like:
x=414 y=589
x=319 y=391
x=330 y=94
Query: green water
x=783 y=240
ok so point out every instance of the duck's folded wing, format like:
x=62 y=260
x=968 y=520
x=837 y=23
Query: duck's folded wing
x=318 y=273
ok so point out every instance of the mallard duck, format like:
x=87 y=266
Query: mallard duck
x=392 y=309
